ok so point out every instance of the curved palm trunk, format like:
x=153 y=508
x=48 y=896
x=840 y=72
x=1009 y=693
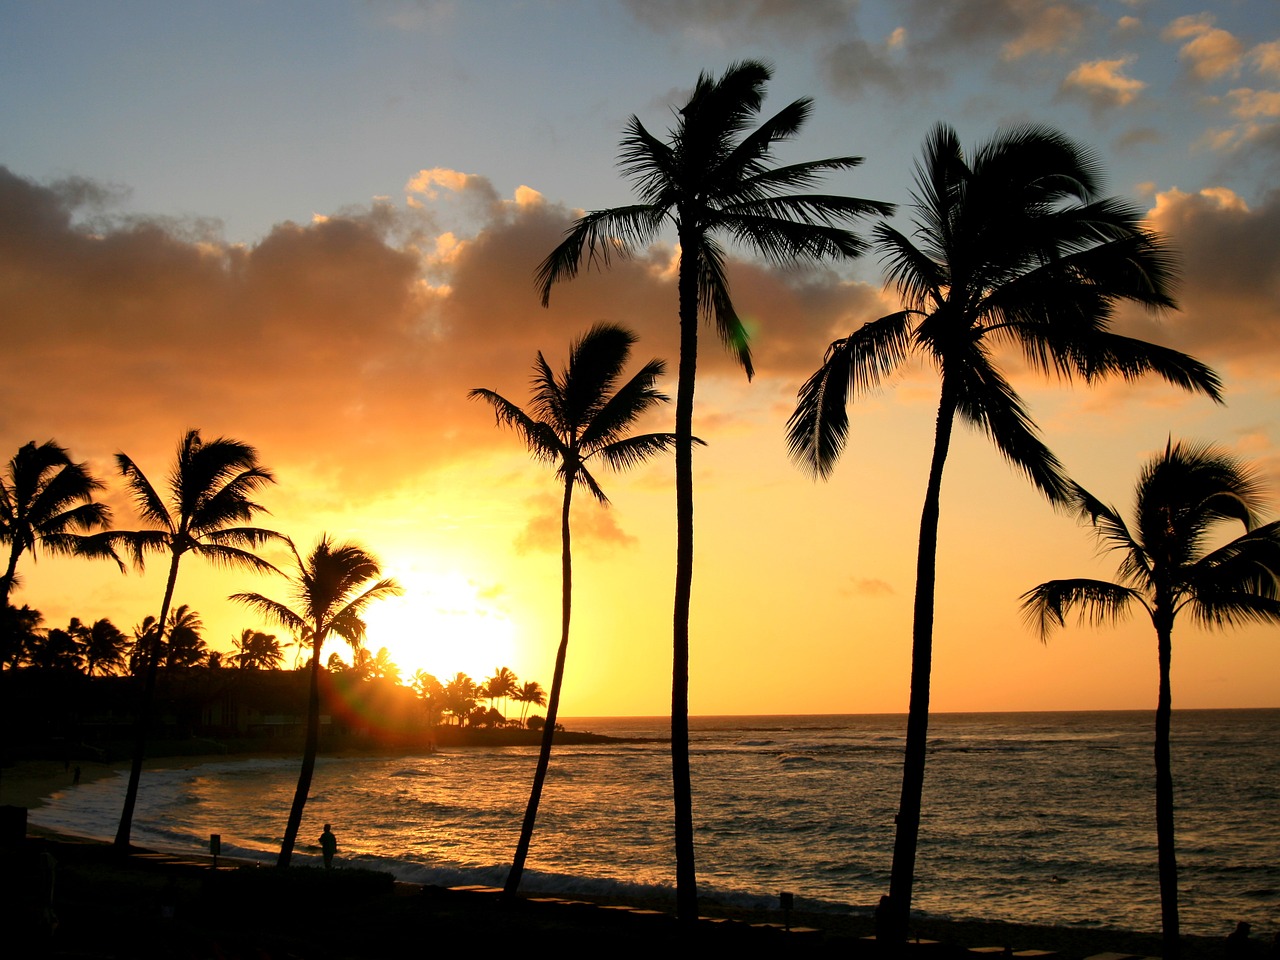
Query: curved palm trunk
x=125 y=829
x=308 y=759
x=686 y=872
x=553 y=702
x=1168 y=865
x=902 y=874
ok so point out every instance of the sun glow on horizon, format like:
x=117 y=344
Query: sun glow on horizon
x=443 y=623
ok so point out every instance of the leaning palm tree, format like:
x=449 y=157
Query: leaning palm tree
x=1168 y=563
x=578 y=415
x=1013 y=246
x=712 y=179
x=210 y=497
x=331 y=589
x=47 y=500
x=529 y=695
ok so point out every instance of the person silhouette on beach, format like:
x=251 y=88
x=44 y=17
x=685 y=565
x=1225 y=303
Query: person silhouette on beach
x=328 y=846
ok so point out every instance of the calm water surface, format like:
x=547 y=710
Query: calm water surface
x=1032 y=817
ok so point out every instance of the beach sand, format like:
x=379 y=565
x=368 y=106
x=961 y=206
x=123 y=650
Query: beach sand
x=148 y=906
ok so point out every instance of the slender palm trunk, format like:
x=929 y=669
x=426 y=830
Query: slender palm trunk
x=686 y=872
x=309 y=749
x=11 y=571
x=125 y=828
x=553 y=701
x=1168 y=865
x=902 y=874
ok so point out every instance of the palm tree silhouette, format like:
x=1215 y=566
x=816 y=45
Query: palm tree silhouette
x=529 y=695
x=45 y=499
x=1167 y=564
x=257 y=650
x=1013 y=246
x=712 y=178
x=500 y=686
x=211 y=488
x=104 y=646
x=331 y=592
x=578 y=415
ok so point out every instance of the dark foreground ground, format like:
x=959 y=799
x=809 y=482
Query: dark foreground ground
x=150 y=906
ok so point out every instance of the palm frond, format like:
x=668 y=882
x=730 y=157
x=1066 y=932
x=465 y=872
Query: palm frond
x=717 y=305
x=146 y=501
x=542 y=442
x=620 y=410
x=632 y=451
x=817 y=429
x=1045 y=607
x=600 y=236
x=272 y=610
x=232 y=557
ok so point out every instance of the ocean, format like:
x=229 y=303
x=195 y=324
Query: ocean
x=1028 y=817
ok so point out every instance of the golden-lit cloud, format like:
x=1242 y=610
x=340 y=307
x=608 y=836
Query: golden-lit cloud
x=1102 y=83
x=1209 y=52
x=1045 y=27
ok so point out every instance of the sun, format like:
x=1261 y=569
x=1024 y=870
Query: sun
x=443 y=624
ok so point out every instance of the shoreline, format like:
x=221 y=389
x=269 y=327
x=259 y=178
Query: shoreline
x=30 y=783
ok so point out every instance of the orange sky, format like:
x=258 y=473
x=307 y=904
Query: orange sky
x=317 y=236
x=344 y=348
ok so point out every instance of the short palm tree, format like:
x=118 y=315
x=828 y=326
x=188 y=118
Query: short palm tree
x=105 y=648
x=459 y=697
x=210 y=499
x=711 y=180
x=47 y=500
x=1013 y=246
x=579 y=415
x=1168 y=564
x=256 y=650
x=184 y=646
x=502 y=685
x=529 y=695
x=331 y=589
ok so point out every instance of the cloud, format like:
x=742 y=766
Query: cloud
x=1102 y=83
x=866 y=587
x=1210 y=52
x=1266 y=58
x=343 y=347
x=1230 y=295
x=595 y=529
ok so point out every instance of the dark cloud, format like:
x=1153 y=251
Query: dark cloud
x=342 y=348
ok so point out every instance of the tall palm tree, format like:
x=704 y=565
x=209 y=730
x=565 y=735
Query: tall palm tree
x=209 y=501
x=712 y=179
x=331 y=589
x=1013 y=246
x=1168 y=563
x=46 y=499
x=579 y=415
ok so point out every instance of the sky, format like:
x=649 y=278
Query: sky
x=313 y=227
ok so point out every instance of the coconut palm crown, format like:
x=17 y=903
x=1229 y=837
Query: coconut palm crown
x=1013 y=246
x=582 y=413
x=331 y=589
x=713 y=180
x=1169 y=563
x=46 y=499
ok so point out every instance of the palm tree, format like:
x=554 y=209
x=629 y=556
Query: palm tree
x=210 y=497
x=19 y=633
x=257 y=650
x=500 y=686
x=712 y=178
x=1013 y=246
x=578 y=415
x=103 y=648
x=1167 y=564
x=459 y=697
x=45 y=499
x=185 y=646
x=331 y=589
x=530 y=694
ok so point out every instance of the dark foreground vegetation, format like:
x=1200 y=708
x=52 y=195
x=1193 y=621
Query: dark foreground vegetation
x=105 y=905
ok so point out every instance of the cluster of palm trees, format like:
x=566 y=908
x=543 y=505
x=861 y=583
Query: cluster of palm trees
x=1013 y=245
x=460 y=698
